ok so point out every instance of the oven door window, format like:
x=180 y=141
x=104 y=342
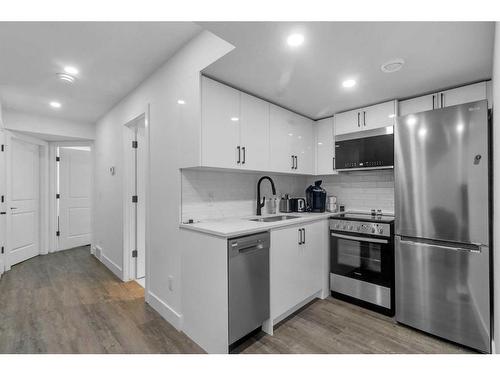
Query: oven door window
x=359 y=259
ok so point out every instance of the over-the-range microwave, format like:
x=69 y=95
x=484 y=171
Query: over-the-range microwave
x=369 y=149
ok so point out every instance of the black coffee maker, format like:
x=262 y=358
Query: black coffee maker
x=316 y=197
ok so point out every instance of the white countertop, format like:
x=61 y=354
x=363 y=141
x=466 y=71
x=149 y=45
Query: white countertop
x=231 y=227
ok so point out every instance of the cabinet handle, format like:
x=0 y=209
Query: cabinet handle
x=358 y=120
x=433 y=106
x=293 y=162
x=333 y=163
x=364 y=118
x=442 y=100
x=303 y=235
x=244 y=155
x=238 y=148
x=296 y=162
x=300 y=236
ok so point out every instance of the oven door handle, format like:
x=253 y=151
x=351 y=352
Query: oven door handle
x=363 y=239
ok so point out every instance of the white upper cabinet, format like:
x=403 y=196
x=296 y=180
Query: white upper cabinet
x=220 y=125
x=254 y=134
x=464 y=94
x=291 y=142
x=379 y=115
x=367 y=118
x=420 y=104
x=459 y=95
x=347 y=122
x=281 y=131
x=235 y=128
x=303 y=145
x=325 y=146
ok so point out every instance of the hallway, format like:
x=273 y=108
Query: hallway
x=68 y=302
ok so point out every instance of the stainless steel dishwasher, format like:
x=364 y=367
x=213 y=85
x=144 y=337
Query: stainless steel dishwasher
x=248 y=262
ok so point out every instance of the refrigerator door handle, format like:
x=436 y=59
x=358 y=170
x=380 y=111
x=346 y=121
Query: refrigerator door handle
x=476 y=250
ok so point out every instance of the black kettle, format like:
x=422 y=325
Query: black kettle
x=316 y=197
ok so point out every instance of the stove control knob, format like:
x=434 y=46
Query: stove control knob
x=336 y=225
x=350 y=227
x=381 y=230
x=373 y=230
x=357 y=228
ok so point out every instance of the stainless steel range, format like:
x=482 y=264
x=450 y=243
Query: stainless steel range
x=362 y=260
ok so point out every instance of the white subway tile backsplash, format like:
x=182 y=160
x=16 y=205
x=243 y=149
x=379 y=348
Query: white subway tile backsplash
x=219 y=194
x=361 y=190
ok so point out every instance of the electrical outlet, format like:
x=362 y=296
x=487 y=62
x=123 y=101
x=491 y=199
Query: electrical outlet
x=171 y=283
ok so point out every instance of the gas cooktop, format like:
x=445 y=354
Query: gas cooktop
x=360 y=216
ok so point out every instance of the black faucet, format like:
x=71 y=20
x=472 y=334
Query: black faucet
x=259 y=204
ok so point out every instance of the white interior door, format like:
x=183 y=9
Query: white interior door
x=140 y=184
x=23 y=201
x=74 y=201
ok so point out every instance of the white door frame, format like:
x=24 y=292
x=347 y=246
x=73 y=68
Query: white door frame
x=43 y=228
x=128 y=261
x=52 y=229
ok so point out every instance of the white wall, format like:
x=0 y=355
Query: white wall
x=496 y=186
x=15 y=120
x=174 y=143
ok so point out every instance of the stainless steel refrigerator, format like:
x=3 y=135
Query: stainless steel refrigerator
x=442 y=223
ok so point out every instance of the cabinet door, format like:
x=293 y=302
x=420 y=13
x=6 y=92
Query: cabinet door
x=303 y=145
x=220 y=124
x=420 y=104
x=378 y=116
x=282 y=127
x=286 y=279
x=312 y=254
x=254 y=135
x=325 y=146
x=464 y=94
x=347 y=122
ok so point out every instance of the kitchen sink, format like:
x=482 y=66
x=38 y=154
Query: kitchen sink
x=275 y=218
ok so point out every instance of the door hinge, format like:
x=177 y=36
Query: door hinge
x=3 y=148
x=2 y=249
x=58 y=233
x=134 y=144
x=58 y=196
x=58 y=158
x=134 y=198
x=134 y=253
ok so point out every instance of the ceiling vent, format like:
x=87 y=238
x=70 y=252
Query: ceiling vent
x=66 y=77
x=392 y=66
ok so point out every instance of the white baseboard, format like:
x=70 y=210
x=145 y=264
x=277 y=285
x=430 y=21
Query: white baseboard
x=112 y=266
x=167 y=313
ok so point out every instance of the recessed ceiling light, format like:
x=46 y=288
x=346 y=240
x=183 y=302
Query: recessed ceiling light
x=71 y=70
x=66 y=77
x=295 y=40
x=180 y=101
x=392 y=66
x=55 y=104
x=234 y=119
x=349 y=83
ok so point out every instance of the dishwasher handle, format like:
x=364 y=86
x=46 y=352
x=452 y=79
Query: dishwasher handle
x=247 y=249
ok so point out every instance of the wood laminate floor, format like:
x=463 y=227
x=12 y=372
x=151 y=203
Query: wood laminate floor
x=68 y=302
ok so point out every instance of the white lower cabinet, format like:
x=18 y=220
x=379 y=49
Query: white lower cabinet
x=297 y=269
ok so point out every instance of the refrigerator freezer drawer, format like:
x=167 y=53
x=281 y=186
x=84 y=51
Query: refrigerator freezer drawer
x=444 y=291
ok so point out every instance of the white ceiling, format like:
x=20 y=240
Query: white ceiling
x=113 y=58
x=308 y=79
